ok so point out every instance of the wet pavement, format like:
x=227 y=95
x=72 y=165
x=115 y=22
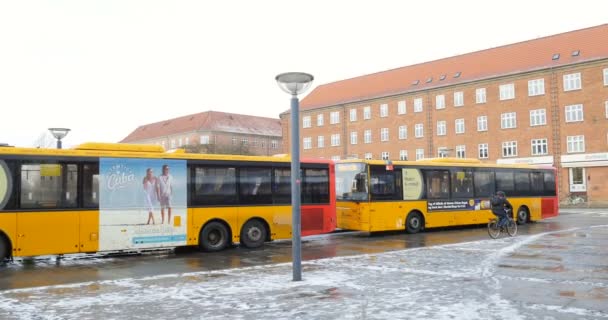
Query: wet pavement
x=554 y=269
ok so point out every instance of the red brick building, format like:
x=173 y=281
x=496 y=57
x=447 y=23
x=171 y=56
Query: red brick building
x=217 y=132
x=543 y=101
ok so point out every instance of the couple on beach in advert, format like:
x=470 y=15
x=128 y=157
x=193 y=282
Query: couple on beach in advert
x=158 y=189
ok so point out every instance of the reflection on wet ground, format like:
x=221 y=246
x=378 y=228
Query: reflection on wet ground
x=45 y=271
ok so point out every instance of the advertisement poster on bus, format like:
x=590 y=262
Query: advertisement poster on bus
x=142 y=203
x=451 y=205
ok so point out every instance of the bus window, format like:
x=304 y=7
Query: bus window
x=437 y=184
x=214 y=186
x=505 y=182
x=522 y=183
x=462 y=183
x=254 y=186
x=6 y=184
x=536 y=183
x=351 y=181
x=385 y=185
x=315 y=187
x=549 y=183
x=484 y=183
x=90 y=187
x=49 y=185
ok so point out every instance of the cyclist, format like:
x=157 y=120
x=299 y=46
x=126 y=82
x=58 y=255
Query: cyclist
x=499 y=206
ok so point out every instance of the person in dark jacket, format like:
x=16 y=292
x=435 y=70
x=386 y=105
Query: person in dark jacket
x=499 y=204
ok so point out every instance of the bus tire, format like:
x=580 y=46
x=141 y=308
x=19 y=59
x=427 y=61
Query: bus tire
x=253 y=233
x=523 y=215
x=4 y=248
x=213 y=237
x=414 y=222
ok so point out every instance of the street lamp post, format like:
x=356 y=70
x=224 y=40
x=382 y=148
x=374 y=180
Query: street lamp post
x=59 y=133
x=295 y=83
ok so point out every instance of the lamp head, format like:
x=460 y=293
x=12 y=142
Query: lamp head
x=59 y=133
x=294 y=83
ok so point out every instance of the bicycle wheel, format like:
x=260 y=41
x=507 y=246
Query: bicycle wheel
x=493 y=229
x=511 y=228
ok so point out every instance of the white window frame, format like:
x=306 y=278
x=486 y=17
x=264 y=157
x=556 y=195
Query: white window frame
x=367 y=136
x=419 y=130
x=606 y=107
x=320 y=142
x=274 y=144
x=383 y=110
x=402 y=132
x=442 y=128
x=306 y=122
x=334 y=117
x=204 y=139
x=458 y=99
x=418 y=106
x=538 y=117
x=575 y=144
x=385 y=155
x=320 y=120
x=401 y=107
x=539 y=147
x=461 y=151
x=368 y=156
x=483 y=151
x=572 y=81
x=335 y=140
x=419 y=154
x=353 y=137
x=352 y=115
x=402 y=155
x=367 y=113
x=384 y=134
x=536 y=87
x=480 y=95
x=482 y=123
x=440 y=101
x=508 y=120
x=509 y=149
x=606 y=77
x=307 y=143
x=506 y=91
x=335 y=158
x=575 y=113
x=442 y=152
x=578 y=187
x=459 y=125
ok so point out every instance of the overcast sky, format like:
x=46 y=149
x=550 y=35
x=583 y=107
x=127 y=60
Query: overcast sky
x=102 y=68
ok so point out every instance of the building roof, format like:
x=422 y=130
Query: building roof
x=514 y=58
x=208 y=121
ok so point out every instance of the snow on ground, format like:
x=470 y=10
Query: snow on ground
x=489 y=279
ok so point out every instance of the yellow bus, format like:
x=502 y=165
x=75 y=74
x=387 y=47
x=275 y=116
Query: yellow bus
x=121 y=197
x=374 y=195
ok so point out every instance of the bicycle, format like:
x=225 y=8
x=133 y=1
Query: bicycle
x=494 y=230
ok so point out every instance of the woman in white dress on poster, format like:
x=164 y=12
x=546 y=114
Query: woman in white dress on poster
x=150 y=193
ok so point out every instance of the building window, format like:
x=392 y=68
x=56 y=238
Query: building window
x=274 y=144
x=509 y=149
x=482 y=123
x=244 y=141
x=461 y=151
x=536 y=87
x=418 y=105
x=539 y=147
x=403 y=155
x=384 y=155
x=483 y=150
x=234 y=141
x=577 y=180
x=507 y=91
x=419 y=130
x=440 y=101
x=353 y=138
x=606 y=107
x=367 y=113
x=334 y=117
x=307 y=143
x=574 y=113
x=419 y=154
x=459 y=126
x=384 y=110
x=335 y=140
x=508 y=120
x=441 y=128
x=576 y=144
x=606 y=77
x=306 y=123
x=458 y=99
x=368 y=156
x=353 y=115
x=572 y=81
x=320 y=142
x=401 y=107
x=320 y=120
x=204 y=139
x=480 y=95
x=254 y=142
x=384 y=134
x=335 y=158
x=538 y=117
x=442 y=152
x=367 y=136
x=402 y=132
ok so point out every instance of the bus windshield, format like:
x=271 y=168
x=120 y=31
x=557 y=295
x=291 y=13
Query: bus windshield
x=351 y=181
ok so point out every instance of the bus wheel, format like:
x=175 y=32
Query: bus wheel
x=3 y=248
x=213 y=237
x=253 y=234
x=522 y=215
x=414 y=222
